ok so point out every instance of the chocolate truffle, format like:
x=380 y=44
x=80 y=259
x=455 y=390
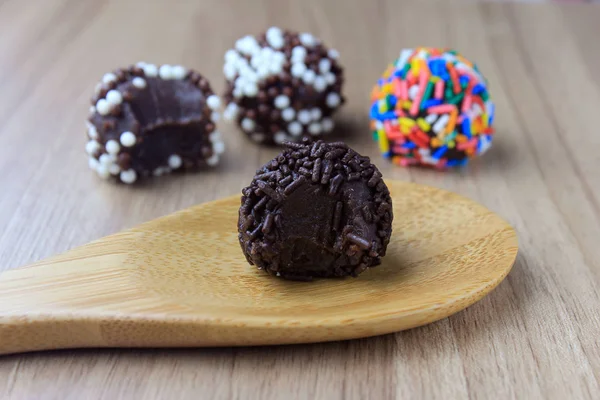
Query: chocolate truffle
x=150 y=120
x=432 y=108
x=316 y=210
x=282 y=86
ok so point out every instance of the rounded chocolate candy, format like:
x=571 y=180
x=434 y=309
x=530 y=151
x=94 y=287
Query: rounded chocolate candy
x=282 y=86
x=316 y=210
x=151 y=120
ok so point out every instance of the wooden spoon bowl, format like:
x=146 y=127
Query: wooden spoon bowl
x=182 y=281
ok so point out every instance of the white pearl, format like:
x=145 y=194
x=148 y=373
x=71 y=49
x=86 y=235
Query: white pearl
x=231 y=55
x=106 y=159
x=215 y=116
x=324 y=65
x=295 y=129
x=327 y=124
x=138 y=82
x=248 y=124
x=93 y=163
x=213 y=160
x=276 y=42
x=215 y=136
x=213 y=101
x=109 y=77
x=102 y=171
x=264 y=72
x=219 y=147
x=258 y=137
x=174 y=161
x=92 y=110
x=314 y=128
x=298 y=69
x=309 y=77
x=307 y=39
x=237 y=93
x=320 y=84
x=315 y=113
x=114 y=169
x=304 y=117
x=92 y=131
x=274 y=31
x=231 y=112
x=140 y=64
x=275 y=68
x=230 y=71
x=114 y=97
x=128 y=176
x=127 y=139
x=288 y=114
x=330 y=78
x=165 y=72
x=281 y=101
x=112 y=147
x=103 y=107
x=150 y=70
x=332 y=100
x=159 y=171
x=333 y=54
x=278 y=57
x=178 y=72
x=91 y=147
x=280 y=137
x=251 y=89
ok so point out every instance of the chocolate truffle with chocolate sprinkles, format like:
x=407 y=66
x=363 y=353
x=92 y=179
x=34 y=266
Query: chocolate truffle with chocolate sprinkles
x=150 y=120
x=282 y=85
x=316 y=210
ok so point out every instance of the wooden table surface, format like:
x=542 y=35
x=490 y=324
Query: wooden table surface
x=536 y=336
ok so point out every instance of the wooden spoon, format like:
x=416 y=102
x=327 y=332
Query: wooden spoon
x=182 y=280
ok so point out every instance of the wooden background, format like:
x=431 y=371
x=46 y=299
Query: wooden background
x=536 y=336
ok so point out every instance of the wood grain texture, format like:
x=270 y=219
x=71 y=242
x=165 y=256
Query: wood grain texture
x=183 y=281
x=534 y=337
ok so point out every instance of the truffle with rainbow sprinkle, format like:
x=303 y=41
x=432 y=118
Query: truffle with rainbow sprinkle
x=432 y=108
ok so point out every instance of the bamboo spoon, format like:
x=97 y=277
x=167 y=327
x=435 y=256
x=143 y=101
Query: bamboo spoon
x=182 y=280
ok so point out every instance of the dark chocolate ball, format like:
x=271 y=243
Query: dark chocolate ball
x=150 y=120
x=316 y=210
x=282 y=86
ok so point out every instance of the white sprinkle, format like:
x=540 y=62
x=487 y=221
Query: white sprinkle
x=295 y=129
x=281 y=101
x=92 y=146
x=431 y=118
x=92 y=131
x=138 y=82
x=320 y=84
x=231 y=56
x=215 y=116
x=327 y=124
x=280 y=137
x=288 y=114
x=298 y=69
x=251 y=89
x=108 y=78
x=112 y=147
x=174 y=161
x=307 y=39
x=404 y=56
x=324 y=65
x=440 y=124
x=213 y=102
x=93 y=163
x=248 y=124
x=315 y=114
x=213 y=160
x=476 y=109
x=304 y=117
x=314 y=128
x=486 y=143
x=219 y=147
x=127 y=139
x=102 y=171
x=230 y=71
x=231 y=111
x=161 y=171
x=333 y=100
x=128 y=176
x=103 y=107
x=330 y=78
x=258 y=137
x=114 y=97
x=309 y=77
x=150 y=70
x=114 y=169
x=412 y=91
x=92 y=110
x=165 y=72
x=178 y=72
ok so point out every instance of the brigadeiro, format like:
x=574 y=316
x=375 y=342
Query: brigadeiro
x=316 y=210
x=149 y=120
x=282 y=85
x=432 y=107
